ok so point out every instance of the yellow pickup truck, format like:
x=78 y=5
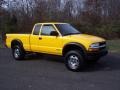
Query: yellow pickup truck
x=60 y=39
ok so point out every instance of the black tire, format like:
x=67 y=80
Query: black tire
x=18 y=52
x=74 y=60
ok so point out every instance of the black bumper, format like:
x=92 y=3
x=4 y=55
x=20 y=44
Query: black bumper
x=93 y=55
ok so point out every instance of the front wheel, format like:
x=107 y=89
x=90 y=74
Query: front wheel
x=74 y=60
x=18 y=53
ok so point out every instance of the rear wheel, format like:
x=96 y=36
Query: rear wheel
x=18 y=53
x=74 y=60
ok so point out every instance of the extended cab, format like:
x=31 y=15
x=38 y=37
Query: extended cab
x=58 y=39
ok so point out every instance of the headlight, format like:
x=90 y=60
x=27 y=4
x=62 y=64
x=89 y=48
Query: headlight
x=94 y=47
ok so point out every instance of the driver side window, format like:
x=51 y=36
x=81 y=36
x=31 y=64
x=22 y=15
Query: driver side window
x=47 y=30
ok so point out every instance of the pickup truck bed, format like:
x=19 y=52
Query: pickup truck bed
x=25 y=38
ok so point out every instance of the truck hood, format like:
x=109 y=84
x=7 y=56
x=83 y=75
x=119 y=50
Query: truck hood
x=87 y=38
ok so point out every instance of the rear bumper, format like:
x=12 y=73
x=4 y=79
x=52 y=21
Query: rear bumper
x=93 y=55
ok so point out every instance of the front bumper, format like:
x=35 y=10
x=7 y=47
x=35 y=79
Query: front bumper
x=93 y=55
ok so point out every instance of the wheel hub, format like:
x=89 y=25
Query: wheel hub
x=73 y=62
x=17 y=53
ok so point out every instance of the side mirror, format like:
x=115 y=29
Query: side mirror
x=54 y=33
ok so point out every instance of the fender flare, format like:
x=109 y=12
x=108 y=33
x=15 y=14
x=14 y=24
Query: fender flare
x=76 y=44
x=18 y=41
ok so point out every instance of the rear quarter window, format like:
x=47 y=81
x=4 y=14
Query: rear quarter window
x=37 y=29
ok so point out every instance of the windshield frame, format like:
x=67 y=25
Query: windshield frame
x=67 y=32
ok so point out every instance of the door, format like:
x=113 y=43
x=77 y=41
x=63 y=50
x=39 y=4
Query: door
x=49 y=43
x=34 y=38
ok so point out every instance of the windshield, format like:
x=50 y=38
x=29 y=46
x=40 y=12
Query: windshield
x=67 y=29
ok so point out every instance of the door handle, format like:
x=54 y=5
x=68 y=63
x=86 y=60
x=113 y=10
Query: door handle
x=40 y=38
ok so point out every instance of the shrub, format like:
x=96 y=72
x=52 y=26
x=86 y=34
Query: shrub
x=106 y=31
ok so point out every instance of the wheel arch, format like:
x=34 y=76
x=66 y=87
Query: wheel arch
x=74 y=46
x=16 y=42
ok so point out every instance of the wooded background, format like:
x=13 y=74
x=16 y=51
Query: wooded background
x=97 y=17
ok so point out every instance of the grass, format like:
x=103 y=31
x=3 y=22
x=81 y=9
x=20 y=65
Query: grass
x=0 y=45
x=114 y=45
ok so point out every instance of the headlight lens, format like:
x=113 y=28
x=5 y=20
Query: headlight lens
x=94 y=45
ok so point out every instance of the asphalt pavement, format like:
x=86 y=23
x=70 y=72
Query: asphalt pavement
x=49 y=73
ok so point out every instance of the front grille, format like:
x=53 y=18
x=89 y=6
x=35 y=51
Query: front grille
x=102 y=45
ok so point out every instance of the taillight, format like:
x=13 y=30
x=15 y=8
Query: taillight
x=5 y=37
